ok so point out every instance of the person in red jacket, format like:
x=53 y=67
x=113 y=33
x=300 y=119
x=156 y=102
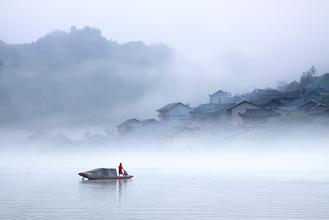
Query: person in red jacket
x=120 y=168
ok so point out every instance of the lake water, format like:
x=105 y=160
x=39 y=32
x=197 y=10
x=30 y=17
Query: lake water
x=30 y=192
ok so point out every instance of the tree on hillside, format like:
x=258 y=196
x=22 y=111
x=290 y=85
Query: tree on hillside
x=307 y=76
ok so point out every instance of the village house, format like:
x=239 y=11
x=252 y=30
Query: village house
x=286 y=102
x=255 y=117
x=151 y=125
x=274 y=104
x=222 y=114
x=137 y=127
x=319 y=110
x=269 y=93
x=128 y=126
x=275 y=100
x=316 y=94
x=308 y=105
x=175 y=113
x=288 y=98
x=210 y=112
x=238 y=108
x=321 y=90
x=219 y=97
x=293 y=86
x=236 y=99
x=261 y=97
x=313 y=95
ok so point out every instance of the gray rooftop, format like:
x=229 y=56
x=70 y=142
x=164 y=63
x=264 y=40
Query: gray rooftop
x=211 y=108
x=219 y=92
x=171 y=105
x=128 y=122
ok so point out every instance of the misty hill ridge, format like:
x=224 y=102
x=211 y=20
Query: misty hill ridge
x=60 y=49
x=76 y=76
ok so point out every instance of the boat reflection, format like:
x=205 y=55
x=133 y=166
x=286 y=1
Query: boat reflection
x=104 y=188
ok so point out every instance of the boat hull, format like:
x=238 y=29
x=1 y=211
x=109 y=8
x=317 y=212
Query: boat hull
x=112 y=178
x=97 y=175
x=107 y=178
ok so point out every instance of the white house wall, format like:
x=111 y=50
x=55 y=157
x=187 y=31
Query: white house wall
x=179 y=110
x=236 y=119
x=219 y=98
x=214 y=99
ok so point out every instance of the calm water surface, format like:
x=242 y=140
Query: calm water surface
x=28 y=194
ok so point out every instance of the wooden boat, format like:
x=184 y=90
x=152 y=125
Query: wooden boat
x=103 y=174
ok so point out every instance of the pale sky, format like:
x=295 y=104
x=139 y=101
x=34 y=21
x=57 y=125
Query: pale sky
x=239 y=44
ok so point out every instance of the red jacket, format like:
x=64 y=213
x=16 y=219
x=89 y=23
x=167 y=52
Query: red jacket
x=120 y=168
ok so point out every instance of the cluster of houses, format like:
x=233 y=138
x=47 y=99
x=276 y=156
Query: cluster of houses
x=257 y=108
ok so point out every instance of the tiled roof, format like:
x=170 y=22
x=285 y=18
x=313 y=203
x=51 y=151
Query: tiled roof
x=127 y=122
x=220 y=92
x=169 y=106
x=211 y=108
x=237 y=104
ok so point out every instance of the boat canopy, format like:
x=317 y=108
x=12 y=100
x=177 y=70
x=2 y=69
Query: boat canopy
x=103 y=172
